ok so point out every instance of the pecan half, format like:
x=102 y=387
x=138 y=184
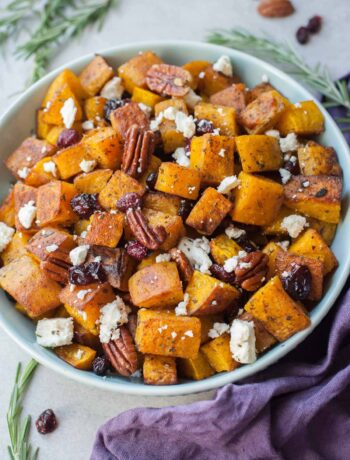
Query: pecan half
x=122 y=353
x=169 y=80
x=150 y=237
x=56 y=265
x=183 y=264
x=251 y=270
x=139 y=146
x=126 y=116
x=275 y=8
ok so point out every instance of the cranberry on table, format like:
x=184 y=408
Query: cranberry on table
x=88 y=273
x=130 y=200
x=314 y=25
x=151 y=180
x=100 y=365
x=136 y=250
x=298 y=282
x=113 y=104
x=68 y=137
x=303 y=35
x=46 y=422
x=85 y=204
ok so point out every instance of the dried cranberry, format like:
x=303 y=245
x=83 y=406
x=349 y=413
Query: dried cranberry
x=298 y=282
x=151 y=180
x=188 y=144
x=246 y=244
x=129 y=201
x=85 y=204
x=219 y=272
x=113 y=104
x=291 y=166
x=185 y=208
x=136 y=250
x=83 y=274
x=67 y=138
x=46 y=422
x=314 y=24
x=204 y=127
x=100 y=365
x=303 y=35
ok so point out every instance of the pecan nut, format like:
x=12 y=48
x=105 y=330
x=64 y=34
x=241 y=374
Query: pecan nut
x=251 y=271
x=169 y=80
x=57 y=265
x=183 y=264
x=275 y=8
x=126 y=116
x=150 y=237
x=122 y=353
x=139 y=146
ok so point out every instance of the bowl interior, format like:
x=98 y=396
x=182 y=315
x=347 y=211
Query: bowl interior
x=19 y=122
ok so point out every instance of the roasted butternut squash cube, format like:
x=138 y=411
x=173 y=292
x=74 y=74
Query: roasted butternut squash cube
x=316 y=160
x=105 y=146
x=55 y=131
x=263 y=339
x=171 y=137
x=95 y=75
x=93 y=182
x=263 y=112
x=134 y=72
x=210 y=81
x=304 y=119
x=218 y=354
x=222 y=117
x=177 y=104
x=7 y=209
x=149 y=260
x=68 y=160
x=223 y=248
x=53 y=204
x=105 y=229
x=280 y=315
x=234 y=96
x=78 y=356
x=321 y=198
x=196 y=368
x=311 y=244
x=271 y=249
x=146 y=97
x=196 y=68
x=173 y=226
x=52 y=111
x=82 y=335
x=119 y=185
x=209 y=211
x=65 y=78
x=27 y=154
x=16 y=247
x=178 y=180
x=42 y=128
x=285 y=261
x=39 y=176
x=84 y=303
x=29 y=286
x=207 y=323
x=156 y=286
x=275 y=227
x=158 y=201
x=163 y=333
x=124 y=117
x=23 y=194
x=325 y=229
x=213 y=157
x=94 y=107
x=257 y=90
x=257 y=200
x=207 y=295
x=159 y=370
x=42 y=243
x=259 y=153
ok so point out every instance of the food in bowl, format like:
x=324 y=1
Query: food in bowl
x=168 y=219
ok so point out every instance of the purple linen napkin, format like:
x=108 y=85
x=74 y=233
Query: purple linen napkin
x=298 y=409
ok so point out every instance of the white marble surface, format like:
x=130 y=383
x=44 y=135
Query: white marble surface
x=82 y=409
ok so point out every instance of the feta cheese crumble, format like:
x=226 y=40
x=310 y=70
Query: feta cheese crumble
x=26 y=214
x=88 y=125
x=181 y=309
x=191 y=99
x=84 y=292
x=51 y=168
x=181 y=157
x=223 y=65
x=78 y=255
x=197 y=253
x=23 y=173
x=234 y=232
x=289 y=143
x=165 y=257
x=6 y=234
x=232 y=263
x=228 y=184
x=68 y=112
x=189 y=333
x=113 y=89
x=218 y=329
x=185 y=124
x=113 y=315
x=87 y=165
x=285 y=175
x=145 y=109
x=51 y=248
x=54 y=332
x=283 y=245
x=242 y=342
x=222 y=153
x=273 y=133
x=294 y=224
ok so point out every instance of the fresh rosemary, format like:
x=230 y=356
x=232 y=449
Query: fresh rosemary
x=20 y=448
x=13 y=16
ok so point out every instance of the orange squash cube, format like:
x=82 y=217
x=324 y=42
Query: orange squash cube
x=68 y=160
x=24 y=194
x=52 y=111
x=303 y=119
x=222 y=248
x=16 y=247
x=178 y=180
x=93 y=182
x=159 y=370
x=197 y=368
x=222 y=117
x=146 y=97
x=38 y=176
x=95 y=75
x=158 y=201
x=316 y=160
x=196 y=68
x=218 y=354
x=105 y=146
x=119 y=185
x=210 y=81
x=49 y=237
x=65 y=78
x=78 y=356
x=234 y=96
x=94 y=107
x=259 y=153
x=105 y=229
x=173 y=226
x=7 y=209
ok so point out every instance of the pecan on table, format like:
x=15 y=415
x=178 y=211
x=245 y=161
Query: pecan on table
x=251 y=270
x=150 y=237
x=57 y=265
x=183 y=264
x=138 y=149
x=169 y=80
x=122 y=353
x=275 y=8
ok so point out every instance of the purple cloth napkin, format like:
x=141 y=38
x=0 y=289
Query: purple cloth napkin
x=297 y=409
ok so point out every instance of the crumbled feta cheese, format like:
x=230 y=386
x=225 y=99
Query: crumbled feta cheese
x=294 y=224
x=23 y=173
x=181 y=309
x=173 y=335
x=216 y=132
x=285 y=175
x=181 y=157
x=191 y=99
x=306 y=184
x=222 y=153
x=165 y=257
x=54 y=332
x=78 y=254
x=51 y=248
x=242 y=342
x=289 y=143
x=265 y=78
x=6 y=234
x=113 y=315
x=185 y=124
x=231 y=264
x=97 y=259
x=83 y=234
x=113 y=89
x=68 y=112
x=26 y=214
x=223 y=65
x=191 y=189
x=228 y=184
x=201 y=75
x=82 y=293
x=285 y=274
x=189 y=333
x=162 y=328
x=197 y=253
x=50 y=167
x=87 y=165
x=145 y=109
x=273 y=133
x=170 y=113
x=234 y=232
x=218 y=329
x=283 y=245
x=136 y=375
x=88 y=125
x=297 y=105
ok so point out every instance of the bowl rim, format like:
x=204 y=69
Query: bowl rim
x=218 y=380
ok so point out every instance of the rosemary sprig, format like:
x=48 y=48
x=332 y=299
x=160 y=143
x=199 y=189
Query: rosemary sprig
x=317 y=78
x=20 y=448
x=12 y=17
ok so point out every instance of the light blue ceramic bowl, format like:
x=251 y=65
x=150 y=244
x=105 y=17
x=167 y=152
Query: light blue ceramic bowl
x=19 y=121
